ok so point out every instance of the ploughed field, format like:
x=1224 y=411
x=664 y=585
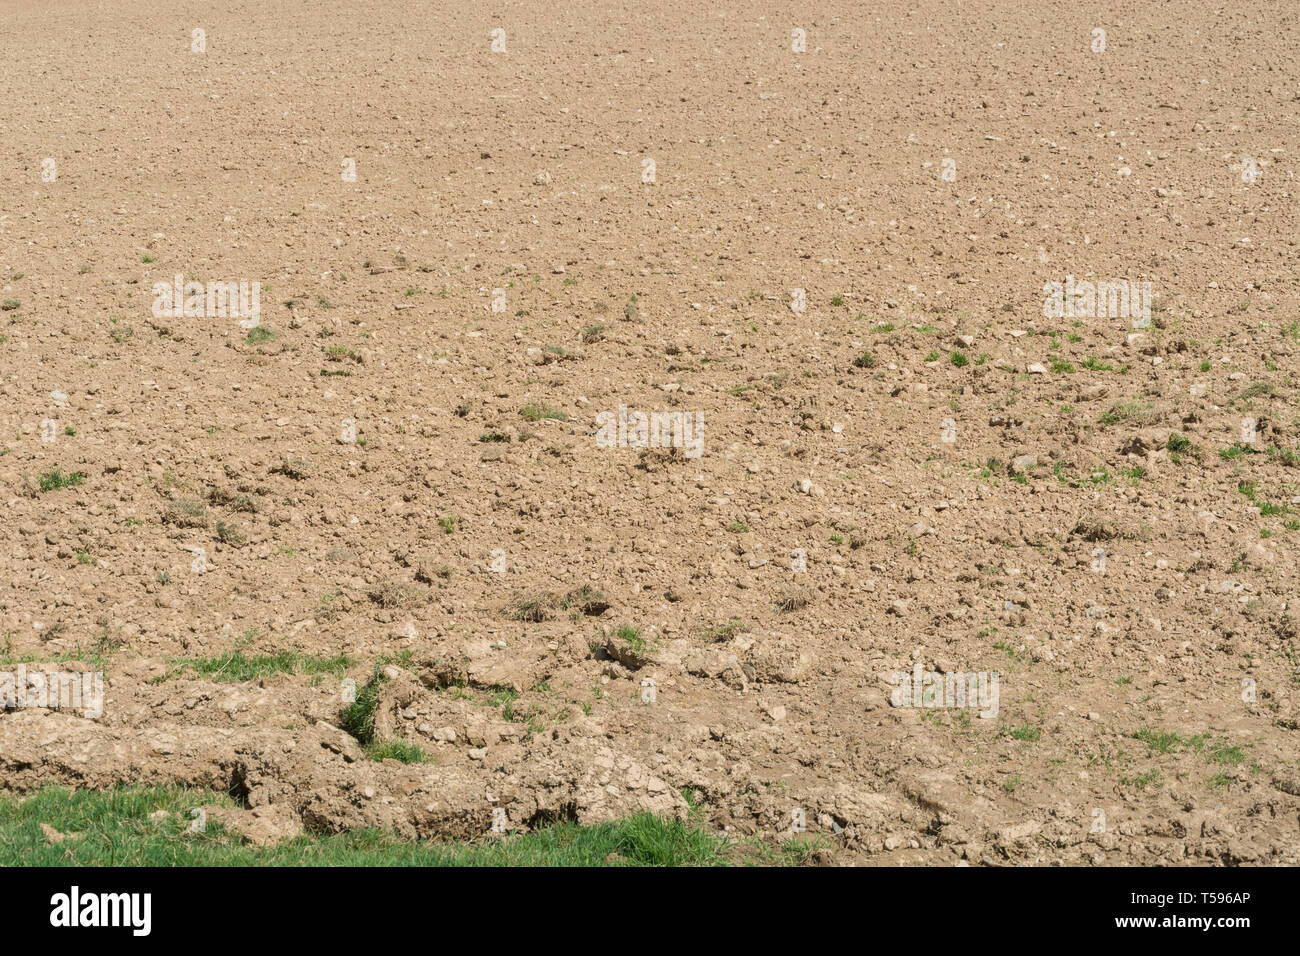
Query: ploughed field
x=872 y=428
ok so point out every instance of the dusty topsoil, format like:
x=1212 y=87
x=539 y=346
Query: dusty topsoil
x=1148 y=705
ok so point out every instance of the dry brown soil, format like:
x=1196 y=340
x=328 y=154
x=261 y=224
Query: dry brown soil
x=1147 y=708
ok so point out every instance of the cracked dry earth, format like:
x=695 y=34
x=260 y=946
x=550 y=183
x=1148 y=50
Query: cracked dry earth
x=400 y=490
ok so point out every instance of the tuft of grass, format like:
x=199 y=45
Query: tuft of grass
x=793 y=599
x=236 y=667
x=1140 y=783
x=538 y=413
x=398 y=750
x=1024 y=732
x=186 y=513
x=631 y=636
x=531 y=607
x=725 y=632
x=358 y=719
x=337 y=353
x=230 y=534
x=259 y=335
x=1161 y=741
x=1179 y=446
x=56 y=479
x=1137 y=412
x=398 y=594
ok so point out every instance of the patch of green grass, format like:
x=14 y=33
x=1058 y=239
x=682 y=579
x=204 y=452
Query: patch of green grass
x=865 y=360
x=1024 y=732
x=1160 y=742
x=1221 y=751
x=236 y=667
x=632 y=637
x=1286 y=455
x=358 y=719
x=1163 y=742
x=259 y=335
x=398 y=750
x=1266 y=508
x=1258 y=390
x=56 y=479
x=113 y=828
x=1233 y=452
x=538 y=413
x=1179 y=446
x=1143 y=781
x=959 y=359
x=337 y=353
